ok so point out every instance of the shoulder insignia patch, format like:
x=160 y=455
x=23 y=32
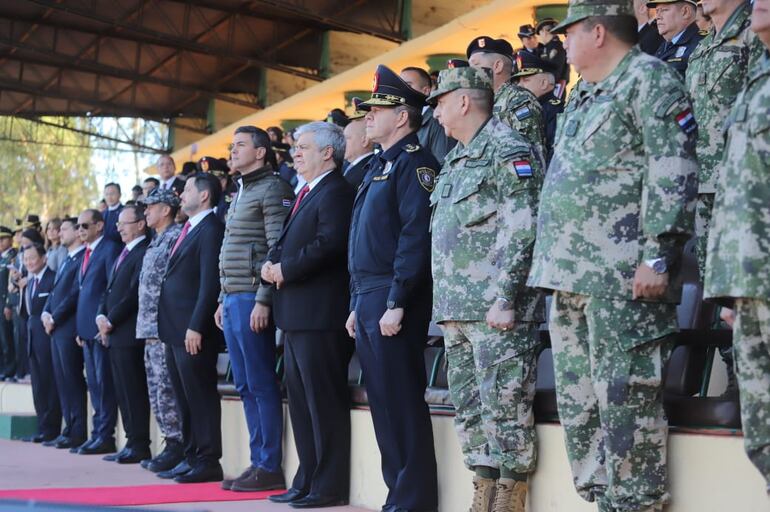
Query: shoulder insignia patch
x=680 y=51
x=286 y=203
x=523 y=168
x=686 y=121
x=427 y=178
x=411 y=148
x=523 y=113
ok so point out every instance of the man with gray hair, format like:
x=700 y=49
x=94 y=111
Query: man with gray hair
x=308 y=268
x=253 y=223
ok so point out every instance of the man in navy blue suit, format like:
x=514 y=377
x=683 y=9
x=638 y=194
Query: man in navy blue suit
x=39 y=283
x=114 y=207
x=59 y=320
x=188 y=301
x=98 y=260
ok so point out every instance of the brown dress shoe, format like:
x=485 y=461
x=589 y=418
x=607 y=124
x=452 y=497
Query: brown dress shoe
x=227 y=483
x=260 y=480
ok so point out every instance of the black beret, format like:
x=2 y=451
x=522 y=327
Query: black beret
x=486 y=44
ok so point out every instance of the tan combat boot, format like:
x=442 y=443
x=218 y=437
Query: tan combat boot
x=511 y=496
x=483 y=494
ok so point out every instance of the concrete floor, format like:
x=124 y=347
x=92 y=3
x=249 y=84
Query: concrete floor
x=27 y=466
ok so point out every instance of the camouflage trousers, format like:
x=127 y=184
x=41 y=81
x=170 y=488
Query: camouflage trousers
x=752 y=361
x=491 y=377
x=703 y=210
x=162 y=398
x=609 y=357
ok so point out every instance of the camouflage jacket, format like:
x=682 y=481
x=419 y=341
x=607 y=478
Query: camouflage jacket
x=622 y=184
x=5 y=260
x=519 y=109
x=716 y=73
x=738 y=263
x=483 y=226
x=150 y=279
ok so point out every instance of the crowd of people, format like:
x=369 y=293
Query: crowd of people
x=463 y=199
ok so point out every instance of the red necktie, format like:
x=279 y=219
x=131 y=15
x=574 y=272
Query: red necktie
x=85 y=260
x=302 y=194
x=183 y=234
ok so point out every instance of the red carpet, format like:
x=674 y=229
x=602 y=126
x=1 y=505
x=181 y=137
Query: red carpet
x=135 y=495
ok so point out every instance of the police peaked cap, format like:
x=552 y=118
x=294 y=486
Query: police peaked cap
x=389 y=90
x=528 y=64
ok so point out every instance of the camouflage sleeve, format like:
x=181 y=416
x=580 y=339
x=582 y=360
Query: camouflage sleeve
x=275 y=207
x=527 y=119
x=518 y=188
x=670 y=184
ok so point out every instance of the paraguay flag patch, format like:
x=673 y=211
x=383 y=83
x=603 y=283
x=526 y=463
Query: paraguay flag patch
x=286 y=203
x=523 y=168
x=686 y=121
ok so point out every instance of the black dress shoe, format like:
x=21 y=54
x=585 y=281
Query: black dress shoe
x=68 y=443
x=131 y=456
x=317 y=501
x=98 y=448
x=114 y=456
x=201 y=473
x=37 y=438
x=180 y=469
x=86 y=443
x=54 y=441
x=289 y=496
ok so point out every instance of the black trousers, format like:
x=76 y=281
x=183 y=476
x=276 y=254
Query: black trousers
x=44 y=394
x=20 y=340
x=71 y=385
x=316 y=366
x=394 y=375
x=194 y=379
x=7 y=347
x=130 y=382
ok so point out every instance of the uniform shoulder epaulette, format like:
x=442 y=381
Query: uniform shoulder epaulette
x=411 y=148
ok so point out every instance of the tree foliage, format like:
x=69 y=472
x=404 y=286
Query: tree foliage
x=45 y=171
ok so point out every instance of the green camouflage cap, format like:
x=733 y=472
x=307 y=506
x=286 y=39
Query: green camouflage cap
x=579 y=10
x=461 y=78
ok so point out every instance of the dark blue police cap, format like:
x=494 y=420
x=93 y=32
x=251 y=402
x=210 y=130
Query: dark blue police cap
x=528 y=64
x=388 y=90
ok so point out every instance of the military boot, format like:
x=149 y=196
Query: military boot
x=483 y=494
x=511 y=496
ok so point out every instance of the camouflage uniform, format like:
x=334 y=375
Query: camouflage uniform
x=716 y=73
x=620 y=190
x=738 y=264
x=519 y=109
x=162 y=398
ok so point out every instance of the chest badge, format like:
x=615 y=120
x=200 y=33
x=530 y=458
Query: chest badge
x=427 y=178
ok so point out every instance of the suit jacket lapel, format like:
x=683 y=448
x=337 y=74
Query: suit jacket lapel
x=185 y=245
x=305 y=201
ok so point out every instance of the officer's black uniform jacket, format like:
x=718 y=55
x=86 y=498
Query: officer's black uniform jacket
x=678 y=54
x=389 y=238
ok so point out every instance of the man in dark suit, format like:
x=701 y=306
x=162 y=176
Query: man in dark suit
x=111 y=214
x=168 y=179
x=649 y=37
x=59 y=321
x=307 y=266
x=358 y=148
x=188 y=300
x=39 y=283
x=98 y=260
x=117 y=325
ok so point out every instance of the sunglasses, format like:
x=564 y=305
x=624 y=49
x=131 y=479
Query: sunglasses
x=84 y=225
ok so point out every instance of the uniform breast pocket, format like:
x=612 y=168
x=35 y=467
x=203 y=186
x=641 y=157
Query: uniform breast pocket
x=726 y=78
x=473 y=202
x=608 y=141
x=759 y=135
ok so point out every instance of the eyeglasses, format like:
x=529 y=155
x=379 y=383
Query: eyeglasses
x=118 y=224
x=84 y=225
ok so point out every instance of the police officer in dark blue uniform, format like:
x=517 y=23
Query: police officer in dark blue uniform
x=553 y=50
x=218 y=167
x=389 y=263
x=538 y=76
x=676 y=24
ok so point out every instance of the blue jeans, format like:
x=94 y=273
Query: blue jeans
x=252 y=359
